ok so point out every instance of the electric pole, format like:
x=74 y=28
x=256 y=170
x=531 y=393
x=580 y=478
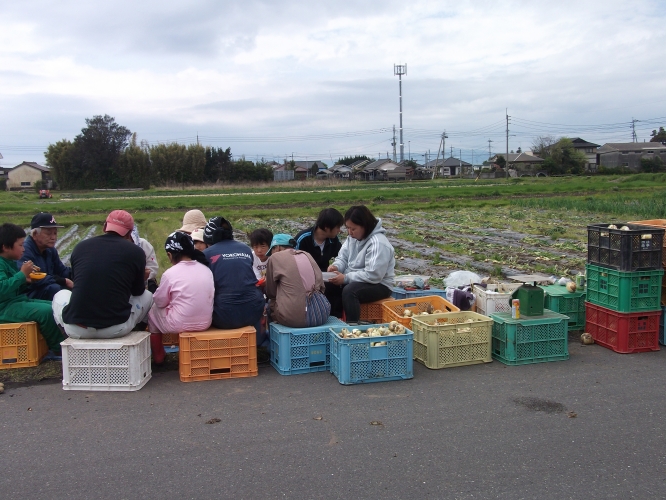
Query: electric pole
x=634 y=138
x=506 y=164
x=400 y=69
x=393 y=144
x=489 y=153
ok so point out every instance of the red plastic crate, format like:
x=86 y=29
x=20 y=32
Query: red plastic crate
x=623 y=332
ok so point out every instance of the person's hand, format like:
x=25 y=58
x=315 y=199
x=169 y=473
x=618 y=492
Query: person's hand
x=27 y=268
x=146 y=274
x=338 y=279
x=69 y=283
x=332 y=269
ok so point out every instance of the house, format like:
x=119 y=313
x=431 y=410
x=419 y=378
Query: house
x=281 y=173
x=341 y=171
x=590 y=151
x=629 y=154
x=307 y=165
x=386 y=170
x=25 y=175
x=450 y=167
x=523 y=163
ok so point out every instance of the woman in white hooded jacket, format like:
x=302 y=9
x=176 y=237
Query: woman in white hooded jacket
x=365 y=264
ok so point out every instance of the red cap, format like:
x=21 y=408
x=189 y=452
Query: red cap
x=120 y=222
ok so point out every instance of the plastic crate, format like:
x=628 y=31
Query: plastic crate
x=558 y=299
x=301 y=350
x=372 y=312
x=400 y=293
x=448 y=340
x=21 y=345
x=355 y=361
x=218 y=354
x=661 y=326
x=534 y=340
x=623 y=291
x=639 y=249
x=623 y=332
x=394 y=309
x=121 y=364
x=660 y=223
x=171 y=339
x=491 y=299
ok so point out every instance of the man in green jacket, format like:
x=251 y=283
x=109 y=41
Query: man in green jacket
x=15 y=306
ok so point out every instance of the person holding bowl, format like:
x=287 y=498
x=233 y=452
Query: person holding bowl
x=365 y=264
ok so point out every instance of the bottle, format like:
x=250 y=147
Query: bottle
x=515 y=309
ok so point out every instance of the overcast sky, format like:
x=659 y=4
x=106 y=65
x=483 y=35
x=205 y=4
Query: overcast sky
x=315 y=79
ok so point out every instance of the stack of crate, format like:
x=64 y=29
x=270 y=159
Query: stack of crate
x=662 y=224
x=624 y=282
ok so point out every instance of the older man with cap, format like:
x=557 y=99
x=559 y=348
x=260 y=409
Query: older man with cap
x=109 y=297
x=40 y=249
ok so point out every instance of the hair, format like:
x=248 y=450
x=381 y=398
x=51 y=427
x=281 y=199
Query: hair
x=180 y=244
x=10 y=234
x=329 y=218
x=362 y=216
x=35 y=231
x=261 y=236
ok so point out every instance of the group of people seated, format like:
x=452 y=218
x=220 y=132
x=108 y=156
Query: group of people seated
x=111 y=287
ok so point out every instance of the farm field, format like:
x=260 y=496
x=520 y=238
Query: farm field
x=497 y=227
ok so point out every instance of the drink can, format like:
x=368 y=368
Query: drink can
x=515 y=309
x=580 y=280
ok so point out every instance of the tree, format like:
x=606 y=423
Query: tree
x=134 y=164
x=658 y=136
x=501 y=161
x=314 y=169
x=217 y=162
x=348 y=160
x=60 y=157
x=566 y=158
x=652 y=164
x=541 y=145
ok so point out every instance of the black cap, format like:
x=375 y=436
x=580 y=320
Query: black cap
x=43 y=219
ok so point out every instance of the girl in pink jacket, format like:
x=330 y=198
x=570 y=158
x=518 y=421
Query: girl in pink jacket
x=184 y=300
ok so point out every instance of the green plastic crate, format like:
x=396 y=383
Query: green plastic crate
x=449 y=339
x=624 y=291
x=558 y=299
x=534 y=340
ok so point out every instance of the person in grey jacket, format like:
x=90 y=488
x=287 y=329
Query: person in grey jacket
x=365 y=264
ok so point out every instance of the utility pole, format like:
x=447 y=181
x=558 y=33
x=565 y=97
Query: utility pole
x=506 y=164
x=489 y=153
x=400 y=69
x=444 y=138
x=634 y=138
x=451 y=151
x=460 y=162
x=393 y=144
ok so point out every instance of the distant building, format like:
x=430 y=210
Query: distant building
x=25 y=175
x=590 y=151
x=523 y=163
x=629 y=154
x=385 y=170
x=450 y=167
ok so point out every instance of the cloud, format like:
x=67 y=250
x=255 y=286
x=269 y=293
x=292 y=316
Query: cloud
x=283 y=68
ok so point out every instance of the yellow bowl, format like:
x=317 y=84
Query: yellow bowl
x=37 y=276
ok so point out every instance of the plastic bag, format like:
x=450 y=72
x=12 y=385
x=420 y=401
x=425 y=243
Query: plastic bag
x=461 y=278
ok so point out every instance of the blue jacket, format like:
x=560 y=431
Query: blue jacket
x=48 y=262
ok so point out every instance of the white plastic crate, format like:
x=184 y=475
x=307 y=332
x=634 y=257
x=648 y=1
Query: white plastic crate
x=494 y=298
x=121 y=364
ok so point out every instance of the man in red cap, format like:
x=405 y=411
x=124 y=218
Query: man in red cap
x=109 y=297
x=40 y=249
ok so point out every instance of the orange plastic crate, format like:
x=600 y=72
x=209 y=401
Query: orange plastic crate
x=393 y=309
x=169 y=339
x=21 y=345
x=217 y=354
x=373 y=311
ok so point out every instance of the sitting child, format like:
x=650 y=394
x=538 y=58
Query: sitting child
x=260 y=241
x=198 y=239
x=184 y=300
x=15 y=306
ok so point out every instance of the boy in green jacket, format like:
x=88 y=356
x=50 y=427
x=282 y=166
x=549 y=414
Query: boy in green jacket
x=15 y=306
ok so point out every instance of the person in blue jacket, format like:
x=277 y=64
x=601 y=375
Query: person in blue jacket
x=40 y=249
x=238 y=302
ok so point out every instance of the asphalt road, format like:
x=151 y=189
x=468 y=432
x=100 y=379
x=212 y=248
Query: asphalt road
x=484 y=431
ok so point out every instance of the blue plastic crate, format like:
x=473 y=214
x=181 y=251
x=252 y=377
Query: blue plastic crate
x=301 y=350
x=662 y=325
x=355 y=361
x=401 y=293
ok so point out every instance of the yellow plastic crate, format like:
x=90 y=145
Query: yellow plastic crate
x=452 y=339
x=21 y=345
x=170 y=339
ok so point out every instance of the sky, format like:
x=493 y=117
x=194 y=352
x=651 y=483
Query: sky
x=272 y=79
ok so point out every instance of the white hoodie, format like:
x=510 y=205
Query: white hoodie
x=370 y=260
